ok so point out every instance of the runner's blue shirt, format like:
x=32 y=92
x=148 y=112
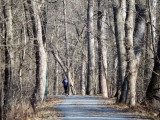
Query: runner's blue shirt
x=65 y=82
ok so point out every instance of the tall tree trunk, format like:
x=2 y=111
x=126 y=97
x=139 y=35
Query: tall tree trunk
x=102 y=48
x=99 y=45
x=1 y=62
x=8 y=59
x=91 y=49
x=67 y=48
x=41 y=55
x=119 y=20
x=132 y=62
x=134 y=44
x=24 y=35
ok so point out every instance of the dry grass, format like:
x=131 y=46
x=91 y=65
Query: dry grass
x=47 y=111
x=24 y=111
x=140 y=109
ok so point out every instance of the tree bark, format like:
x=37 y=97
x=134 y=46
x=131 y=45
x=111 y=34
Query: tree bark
x=119 y=9
x=91 y=50
x=9 y=68
x=132 y=62
x=1 y=63
x=83 y=78
x=102 y=26
x=41 y=56
x=134 y=43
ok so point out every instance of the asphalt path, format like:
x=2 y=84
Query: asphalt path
x=91 y=108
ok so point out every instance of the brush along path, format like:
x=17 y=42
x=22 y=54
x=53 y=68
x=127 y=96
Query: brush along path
x=47 y=110
x=90 y=108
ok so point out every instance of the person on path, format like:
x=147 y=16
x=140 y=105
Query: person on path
x=65 y=85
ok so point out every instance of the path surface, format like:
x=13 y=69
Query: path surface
x=90 y=108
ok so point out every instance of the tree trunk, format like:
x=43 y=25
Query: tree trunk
x=134 y=56
x=1 y=63
x=134 y=51
x=56 y=78
x=8 y=59
x=41 y=56
x=132 y=62
x=83 y=78
x=102 y=48
x=153 y=91
x=91 y=50
x=119 y=20
x=99 y=45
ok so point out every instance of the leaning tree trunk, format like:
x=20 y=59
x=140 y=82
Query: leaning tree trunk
x=41 y=56
x=65 y=70
x=119 y=9
x=91 y=49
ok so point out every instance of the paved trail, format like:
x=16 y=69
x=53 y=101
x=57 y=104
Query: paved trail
x=90 y=108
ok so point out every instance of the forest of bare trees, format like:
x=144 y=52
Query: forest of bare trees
x=108 y=48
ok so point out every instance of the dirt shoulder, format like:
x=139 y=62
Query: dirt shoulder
x=47 y=111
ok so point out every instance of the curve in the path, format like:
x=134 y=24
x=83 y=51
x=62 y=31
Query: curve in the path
x=90 y=108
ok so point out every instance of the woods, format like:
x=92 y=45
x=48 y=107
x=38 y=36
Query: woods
x=106 y=48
